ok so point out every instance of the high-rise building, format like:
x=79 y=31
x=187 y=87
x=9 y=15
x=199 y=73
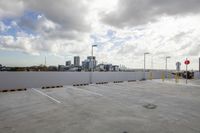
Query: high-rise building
x=68 y=63
x=115 y=68
x=90 y=63
x=178 y=66
x=76 y=61
x=108 y=67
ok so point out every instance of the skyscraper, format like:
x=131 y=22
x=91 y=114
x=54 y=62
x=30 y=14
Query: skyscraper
x=90 y=63
x=178 y=66
x=76 y=61
x=68 y=63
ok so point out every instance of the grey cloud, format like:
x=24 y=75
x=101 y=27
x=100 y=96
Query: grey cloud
x=62 y=23
x=11 y=8
x=194 y=50
x=138 y=12
x=71 y=14
x=185 y=46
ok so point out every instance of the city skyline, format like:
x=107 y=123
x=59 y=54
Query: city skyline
x=59 y=60
x=122 y=29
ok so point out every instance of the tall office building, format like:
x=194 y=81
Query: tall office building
x=76 y=61
x=90 y=63
x=68 y=63
x=178 y=66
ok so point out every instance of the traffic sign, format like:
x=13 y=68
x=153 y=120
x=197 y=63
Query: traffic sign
x=187 y=62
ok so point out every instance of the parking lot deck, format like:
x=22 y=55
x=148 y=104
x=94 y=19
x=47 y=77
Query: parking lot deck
x=129 y=107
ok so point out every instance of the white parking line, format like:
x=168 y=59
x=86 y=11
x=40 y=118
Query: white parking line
x=87 y=91
x=46 y=95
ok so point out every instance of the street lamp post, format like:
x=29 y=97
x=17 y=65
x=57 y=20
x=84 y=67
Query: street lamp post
x=92 y=69
x=166 y=71
x=92 y=60
x=145 y=63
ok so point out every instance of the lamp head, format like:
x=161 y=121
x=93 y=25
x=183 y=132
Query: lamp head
x=147 y=53
x=94 y=45
x=167 y=57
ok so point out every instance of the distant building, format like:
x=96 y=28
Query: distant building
x=68 y=63
x=108 y=67
x=178 y=66
x=85 y=65
x=115 y=68
x=100 y=67
x=89 y=64
x=76 y=61
x=62 y=68
x=52 y=68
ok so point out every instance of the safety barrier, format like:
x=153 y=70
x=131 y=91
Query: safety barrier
x=50 y=87
x=118 y=81
x=132 y=80
x=9 y=80
x=12 y=90
x=80 y=84
x=150 y=76
x=102 y=83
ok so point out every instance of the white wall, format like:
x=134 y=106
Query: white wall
x=197 y=75
x=15 y=80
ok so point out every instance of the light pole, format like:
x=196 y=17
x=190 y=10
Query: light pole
x=166 y=72
x=92 y=69
x=45 y=61
x=145 y=63
x=92 y=60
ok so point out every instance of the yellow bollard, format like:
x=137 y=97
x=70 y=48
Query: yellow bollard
x=176 y=78
x=169 y=76
x=150 y=76
x=163 y=76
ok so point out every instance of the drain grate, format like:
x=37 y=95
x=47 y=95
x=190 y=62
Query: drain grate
x=150 y=106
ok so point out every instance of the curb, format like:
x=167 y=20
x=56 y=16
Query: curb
x=80 y=84
x=12 y=90
x=50 y=87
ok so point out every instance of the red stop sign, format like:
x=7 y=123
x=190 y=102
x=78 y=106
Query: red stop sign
x=187 y=62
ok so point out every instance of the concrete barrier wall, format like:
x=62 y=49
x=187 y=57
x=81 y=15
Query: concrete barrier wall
x=197 y=75
x=15 y=80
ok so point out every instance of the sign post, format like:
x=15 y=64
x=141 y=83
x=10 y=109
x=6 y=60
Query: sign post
x=187 y=62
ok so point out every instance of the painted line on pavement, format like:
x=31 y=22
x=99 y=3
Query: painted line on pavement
x=44 y=94
x=87 y=91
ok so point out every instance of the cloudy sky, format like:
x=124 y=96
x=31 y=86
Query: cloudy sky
x=122 y=29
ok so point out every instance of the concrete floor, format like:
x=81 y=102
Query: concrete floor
x=109 y=108
x=191 y=82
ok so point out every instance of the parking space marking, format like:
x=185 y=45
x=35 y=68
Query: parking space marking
x=89 y=92
x=44 y=94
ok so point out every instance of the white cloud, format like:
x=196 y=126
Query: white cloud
x=177 y=37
